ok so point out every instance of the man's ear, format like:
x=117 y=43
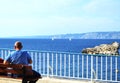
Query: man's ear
x=15 y=47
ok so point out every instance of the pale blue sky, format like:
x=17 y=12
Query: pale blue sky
x=49 y=17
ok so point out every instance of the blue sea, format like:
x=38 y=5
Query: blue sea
x=60 y=45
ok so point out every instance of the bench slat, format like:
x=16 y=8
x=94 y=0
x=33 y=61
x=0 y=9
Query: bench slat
x=23 y=70
x=16 y=69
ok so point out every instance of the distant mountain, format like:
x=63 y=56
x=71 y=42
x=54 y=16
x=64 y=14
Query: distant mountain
x=101 y=35
x=90 y=35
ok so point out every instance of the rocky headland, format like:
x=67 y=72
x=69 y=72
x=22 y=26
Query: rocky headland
x=108 y=49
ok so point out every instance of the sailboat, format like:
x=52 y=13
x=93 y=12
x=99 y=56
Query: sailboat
x=70 y=39
x=52 y=38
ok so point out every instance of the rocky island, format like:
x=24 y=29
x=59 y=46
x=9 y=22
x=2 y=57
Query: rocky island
x=108 y=49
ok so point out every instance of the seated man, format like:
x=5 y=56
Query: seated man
x=21 y=57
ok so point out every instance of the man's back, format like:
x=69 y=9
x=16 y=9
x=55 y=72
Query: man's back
x=19 y=57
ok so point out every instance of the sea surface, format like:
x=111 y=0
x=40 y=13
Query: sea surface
x=60 y=45
x=65 y=45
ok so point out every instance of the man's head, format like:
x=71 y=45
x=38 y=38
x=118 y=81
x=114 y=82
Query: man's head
x=18 y=45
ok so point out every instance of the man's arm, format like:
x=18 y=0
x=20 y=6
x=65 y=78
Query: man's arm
x=29 y=58
x=30 y=62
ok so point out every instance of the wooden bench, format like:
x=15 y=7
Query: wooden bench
x=16 y=71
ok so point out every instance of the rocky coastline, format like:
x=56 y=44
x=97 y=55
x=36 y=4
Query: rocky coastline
x=107 y=49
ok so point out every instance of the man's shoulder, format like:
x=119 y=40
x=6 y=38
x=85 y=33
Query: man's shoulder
x=15 y=52
x=12 y=52
x=25 y=52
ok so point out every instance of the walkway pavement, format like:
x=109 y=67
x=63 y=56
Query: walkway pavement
x=44 y=80
x=57 y=80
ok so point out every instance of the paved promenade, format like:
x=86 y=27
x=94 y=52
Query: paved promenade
x=44 y=80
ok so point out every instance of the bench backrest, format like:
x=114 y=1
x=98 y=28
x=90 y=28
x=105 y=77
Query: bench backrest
x=15 y=69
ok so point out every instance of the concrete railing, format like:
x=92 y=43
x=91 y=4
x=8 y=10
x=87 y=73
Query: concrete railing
x=74 y=65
